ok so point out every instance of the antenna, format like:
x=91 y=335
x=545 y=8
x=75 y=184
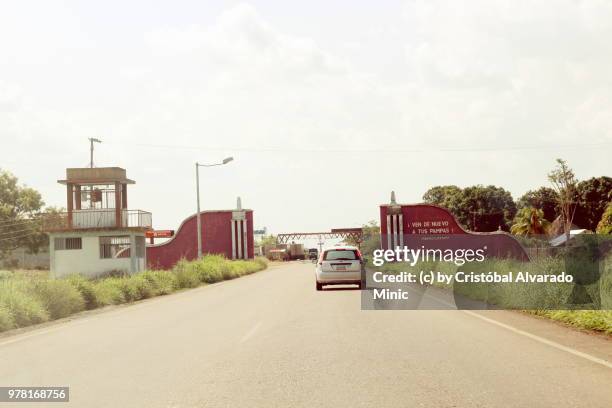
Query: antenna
x=92 y=140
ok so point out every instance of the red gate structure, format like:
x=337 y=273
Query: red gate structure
x=224 y=232
x=435 y=227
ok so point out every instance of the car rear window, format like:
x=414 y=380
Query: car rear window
x=340 y=254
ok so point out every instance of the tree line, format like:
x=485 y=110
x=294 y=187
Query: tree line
x=547 y=209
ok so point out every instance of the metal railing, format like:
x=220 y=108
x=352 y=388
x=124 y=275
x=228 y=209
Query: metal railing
x=98 y=218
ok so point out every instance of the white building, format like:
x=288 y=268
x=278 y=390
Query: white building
x=98 y=233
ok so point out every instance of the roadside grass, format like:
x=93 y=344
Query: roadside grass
x=542 y=299
x=28 y=298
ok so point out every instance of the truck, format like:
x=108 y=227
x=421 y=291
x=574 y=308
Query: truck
x=296 y=251
x=313 y=254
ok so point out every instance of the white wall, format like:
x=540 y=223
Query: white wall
x=87 y=261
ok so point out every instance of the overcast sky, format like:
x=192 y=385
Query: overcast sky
x=326 y=106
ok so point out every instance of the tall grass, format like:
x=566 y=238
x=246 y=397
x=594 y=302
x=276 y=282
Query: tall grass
x=27 y=299
x=549 y=300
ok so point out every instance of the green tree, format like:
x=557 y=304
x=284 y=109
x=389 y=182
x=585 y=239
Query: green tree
x=564 y=183
x=530 y=222
x=544 y=198
x=592 y=197
x=267 y=240
x=370 y=239
x=19 y=224
x=479 y=208
x=605 y=225
x=486 y=208
x=444 y=196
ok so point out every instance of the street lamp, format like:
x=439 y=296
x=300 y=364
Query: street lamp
x=197 y=166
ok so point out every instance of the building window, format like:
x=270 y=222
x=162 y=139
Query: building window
x=140 y=247
x=68 y=243
x=115 y=247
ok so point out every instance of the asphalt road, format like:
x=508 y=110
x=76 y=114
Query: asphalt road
x=271 y=340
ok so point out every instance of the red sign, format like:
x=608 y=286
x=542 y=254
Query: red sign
x=159 y=233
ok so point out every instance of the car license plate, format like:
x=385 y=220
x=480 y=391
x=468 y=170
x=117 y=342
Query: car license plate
x=341 y=268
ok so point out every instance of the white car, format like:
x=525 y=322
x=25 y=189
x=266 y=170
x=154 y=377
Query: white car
x=340 y=265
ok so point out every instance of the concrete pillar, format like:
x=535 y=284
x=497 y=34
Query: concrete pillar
x=118 y=220
x=124 y=196
x=133 y=259
x=233 y=224
x=389 y=232
x=401 y=229
x=244 y=239
x=238 y=240
x=77 y=197
x=69 y=202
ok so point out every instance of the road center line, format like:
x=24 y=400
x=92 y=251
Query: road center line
x=250 y=333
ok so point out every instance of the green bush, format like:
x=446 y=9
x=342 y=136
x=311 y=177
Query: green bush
x=162 y=282
x=23 y=307
x=30 y=298
x=262 y=262
x=87 y=289
x=187 y=274
x=59 y=297
x=131 y=288
x=6 y=319
x=107 y=292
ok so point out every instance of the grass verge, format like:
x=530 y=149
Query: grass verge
x=27 y=299
x=541 y=299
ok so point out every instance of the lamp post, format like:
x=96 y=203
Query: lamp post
x=197 y=166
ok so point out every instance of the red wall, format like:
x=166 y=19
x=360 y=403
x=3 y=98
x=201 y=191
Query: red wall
x=450 y=234
x=216 y=239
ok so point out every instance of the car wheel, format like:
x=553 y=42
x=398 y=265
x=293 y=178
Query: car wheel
x=319 y=286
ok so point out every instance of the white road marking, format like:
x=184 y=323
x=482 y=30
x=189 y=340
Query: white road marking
x=542 y=340
x=551 y=343
x=250 y=333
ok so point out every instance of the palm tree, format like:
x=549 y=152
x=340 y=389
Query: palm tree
x=530 y=221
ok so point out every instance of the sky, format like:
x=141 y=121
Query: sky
x=325 y=106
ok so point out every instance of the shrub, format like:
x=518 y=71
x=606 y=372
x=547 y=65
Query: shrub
x=87 y=289
x=28 y=298
x=127 y=287
x=144 y=288
x=24 y=308
x=162 y=282
x=211 y=268
x=108 y=292
x=59 y=297
x=5 y=274
x=6 y=319
x=262 y=262
x=187 y=274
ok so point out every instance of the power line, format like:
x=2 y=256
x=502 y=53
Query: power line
x=280 y=149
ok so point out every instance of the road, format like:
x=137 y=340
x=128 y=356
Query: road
x=271 y=340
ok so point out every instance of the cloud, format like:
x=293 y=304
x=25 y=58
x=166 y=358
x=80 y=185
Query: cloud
x=439 y=75
x=512 y=71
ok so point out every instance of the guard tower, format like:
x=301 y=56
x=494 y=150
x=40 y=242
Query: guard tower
x=97 y=233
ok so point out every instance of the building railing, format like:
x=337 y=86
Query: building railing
x=96 y=218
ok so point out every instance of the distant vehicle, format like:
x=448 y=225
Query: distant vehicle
x=313 y=253
x=340 y=265
x=296 y=251
x=278 y=254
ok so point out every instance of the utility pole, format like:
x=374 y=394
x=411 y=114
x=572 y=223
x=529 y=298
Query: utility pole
x=92 y=140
